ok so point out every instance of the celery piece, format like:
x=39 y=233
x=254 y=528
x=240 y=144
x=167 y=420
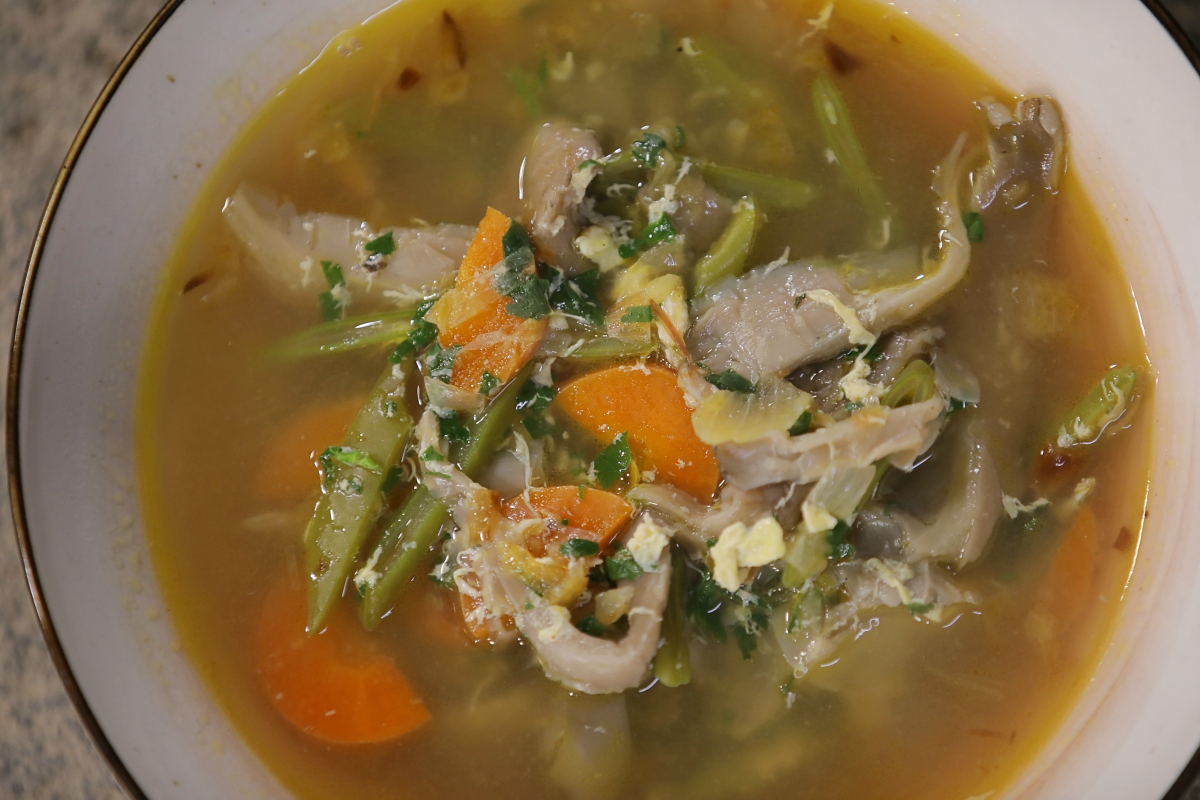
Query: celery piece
x=342 y=335
x=1103 y=406
x=834 y=120
x=673 y=661
x=407 y=538
x=727 y=256
x=352 y=493
x=771 y=191
x=591 y=350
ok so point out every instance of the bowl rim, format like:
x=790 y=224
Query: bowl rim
x=95 y=731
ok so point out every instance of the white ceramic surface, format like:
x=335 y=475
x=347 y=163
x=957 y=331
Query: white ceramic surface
x=1132 y=102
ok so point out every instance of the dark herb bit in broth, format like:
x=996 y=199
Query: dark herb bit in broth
x=664 y=382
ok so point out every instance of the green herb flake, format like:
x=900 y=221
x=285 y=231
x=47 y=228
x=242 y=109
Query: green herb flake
x=638 y=314
x=680 y=137
x=703 y=604
x=515 y=239
x=657 y=232
x=920 y=608
x=392 y=479
x=613 y=461
x=538 y=426
x=974 y=223
x=579 y=548
x=529 y=294
x=711 y=542
x=582 y=492
x=622 y=566
x=331 y=309
x=333 y=274
x=578 y=296
x=872 y=354
x=431 y=455
x=488 y=383
x=383 y=245
x=591 y=626
x=731 y=381
x=528 y=606
x=801 y=425
x=647 y=149
x=534 y=396
x=451 y=428
x=528 y=87
x=957 y=405
x=440 y=362
x=839 y=546
x=353 y=458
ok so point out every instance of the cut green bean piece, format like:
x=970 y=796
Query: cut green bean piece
x=408 y=537
x=342 y=335
x=404 y=545
x=834 y=119
x=352 y=494
x=673 y=661
x=594 y=349
x=770 y=191
x=727 y=256
x=1103 y=406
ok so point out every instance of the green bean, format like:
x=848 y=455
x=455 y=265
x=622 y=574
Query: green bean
x=342 y=335
x=772 y=191
x=914 y=384
x=727 y=256
x=407 y=539
x=352 y=493
x=673 y=661
x=405 y=543
x=834 y=119
x=1103 y=406
x=595 y=349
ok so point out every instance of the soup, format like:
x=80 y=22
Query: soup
x=645 y=399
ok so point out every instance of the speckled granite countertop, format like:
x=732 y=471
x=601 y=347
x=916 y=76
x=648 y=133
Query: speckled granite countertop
x=55 y=55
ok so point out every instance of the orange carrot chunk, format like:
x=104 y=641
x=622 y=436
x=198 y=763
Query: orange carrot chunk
x=1068 y=582
x=475 y=317
x=334 y=686
x=647 y=402
x=289 y=470
x=597 y=515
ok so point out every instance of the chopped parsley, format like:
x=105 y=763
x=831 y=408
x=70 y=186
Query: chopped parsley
x=647 y=150
x=638 y=314
x=613 y=461
x=352 y=458
x=579 y=548
x=872 y=354
x=680 y=137
x=529 y=293
x=920 y=608
x=974 y=223
x=392 y=478
x=488 y=383
x=538 y=426
x=731 y=381
x=703 y=604
x=839 y=546
x=578 y=296
x=621 y=565
x=440 y=362
x=422 y=334
x=657 y=232
x=431 y=455
x=451 y=428
x=529 y=87
x=801 y=425
x=582 y=492
x=534 y=396
x=957 y=405
x=383 y=245
x=331 y=307
x=515 y=239
x=591 y=626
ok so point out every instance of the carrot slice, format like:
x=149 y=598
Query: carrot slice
x=596 y=515
x=1065 y=589
x=647 y=402
x=474 y=316
x=333 y=686
x=290 y=470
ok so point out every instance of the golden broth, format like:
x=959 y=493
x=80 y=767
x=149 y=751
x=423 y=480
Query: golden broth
x=911 y=709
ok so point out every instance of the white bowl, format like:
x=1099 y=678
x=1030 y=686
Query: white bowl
x=1133 y=103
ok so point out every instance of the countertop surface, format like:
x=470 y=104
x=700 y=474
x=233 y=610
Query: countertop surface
x=55 y=56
